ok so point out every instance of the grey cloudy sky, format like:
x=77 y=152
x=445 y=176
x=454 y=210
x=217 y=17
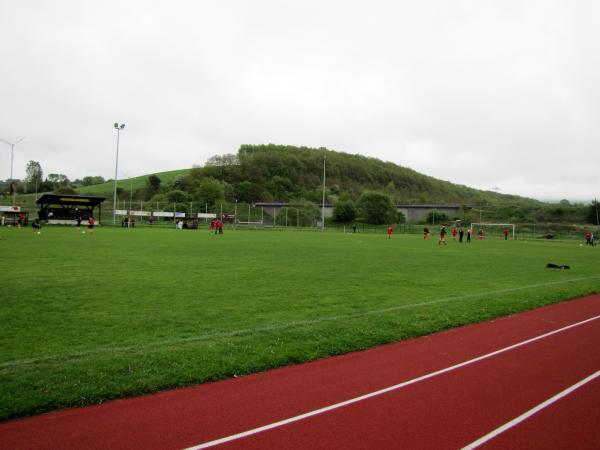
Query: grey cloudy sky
x=498 y=95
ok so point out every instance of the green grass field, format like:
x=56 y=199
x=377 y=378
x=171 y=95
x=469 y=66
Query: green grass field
x=124 y=312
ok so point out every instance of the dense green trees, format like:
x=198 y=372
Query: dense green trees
x=56 y=182
x=33 y=176
x=244 y=192
x=594 y=213
x=177 y=196
x=295 y=174
x=154 y=182
x=210 y=192
x=58 y=179
x=376 y=208
x=344 y=211
x=436 y=216
x=90 y=181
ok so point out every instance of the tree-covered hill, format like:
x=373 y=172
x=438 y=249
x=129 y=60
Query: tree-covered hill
x=282 y=173
x=267 y=173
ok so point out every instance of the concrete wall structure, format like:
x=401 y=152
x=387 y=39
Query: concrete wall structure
x=413 y=213
x=417 y=213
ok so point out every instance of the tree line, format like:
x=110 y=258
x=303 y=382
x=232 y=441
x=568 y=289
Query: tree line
x=361 y=188
x=53 y=182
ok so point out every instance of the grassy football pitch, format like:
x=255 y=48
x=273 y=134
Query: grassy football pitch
x=124 y=312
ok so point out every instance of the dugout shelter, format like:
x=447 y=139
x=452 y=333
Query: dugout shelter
x=65 y=209
x=10 y=215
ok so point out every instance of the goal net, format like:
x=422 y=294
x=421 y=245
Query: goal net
x=492 y=230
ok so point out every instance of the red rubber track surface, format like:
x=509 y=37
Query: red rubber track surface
x=449 y=410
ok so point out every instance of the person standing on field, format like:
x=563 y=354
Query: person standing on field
x=453 y=233
x=91 y=224
x=36 y=227
x=505 y=232
x=468 y=235
x=390 y=230
x=442 y=236
x=461 y=234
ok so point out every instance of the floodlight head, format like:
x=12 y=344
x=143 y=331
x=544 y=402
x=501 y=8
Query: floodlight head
x=122 y=126
x=116 y=125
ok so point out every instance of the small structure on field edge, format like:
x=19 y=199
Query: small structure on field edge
x=9 y=215
x=65 y=209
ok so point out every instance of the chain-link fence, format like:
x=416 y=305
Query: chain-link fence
x=244 y=215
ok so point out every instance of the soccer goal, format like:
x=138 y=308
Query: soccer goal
x=481 y=230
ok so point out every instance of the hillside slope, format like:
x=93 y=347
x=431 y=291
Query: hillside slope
x=281 y=173
x=106 y=189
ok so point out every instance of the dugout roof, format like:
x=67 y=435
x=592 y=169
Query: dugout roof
x=67 y=208
x=71 y=200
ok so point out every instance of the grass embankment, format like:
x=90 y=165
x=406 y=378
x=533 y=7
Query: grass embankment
x=124 y=312
x=130 y=183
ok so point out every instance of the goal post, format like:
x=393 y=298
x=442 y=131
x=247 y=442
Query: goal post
x=483 y=226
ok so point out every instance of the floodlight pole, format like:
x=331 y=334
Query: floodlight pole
x=12 y=159
x=323 y=204
x=118 y=127
x=130 y=199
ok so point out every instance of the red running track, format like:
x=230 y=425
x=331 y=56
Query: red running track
x=446 y=409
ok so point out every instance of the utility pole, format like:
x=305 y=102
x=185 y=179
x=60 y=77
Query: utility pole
x=323 y=204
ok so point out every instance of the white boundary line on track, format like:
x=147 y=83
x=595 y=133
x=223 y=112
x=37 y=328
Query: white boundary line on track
x=531 y=412
x=272 y=327
x=325 y=409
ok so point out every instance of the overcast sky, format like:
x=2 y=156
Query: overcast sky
x=498 y=95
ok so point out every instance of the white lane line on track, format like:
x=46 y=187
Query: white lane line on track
x=531 y=412
x=272 y=327
x=325 y=409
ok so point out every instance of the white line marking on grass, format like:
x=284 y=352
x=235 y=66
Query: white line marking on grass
x=384 y=390
x=531 y=412
x=276 y=326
